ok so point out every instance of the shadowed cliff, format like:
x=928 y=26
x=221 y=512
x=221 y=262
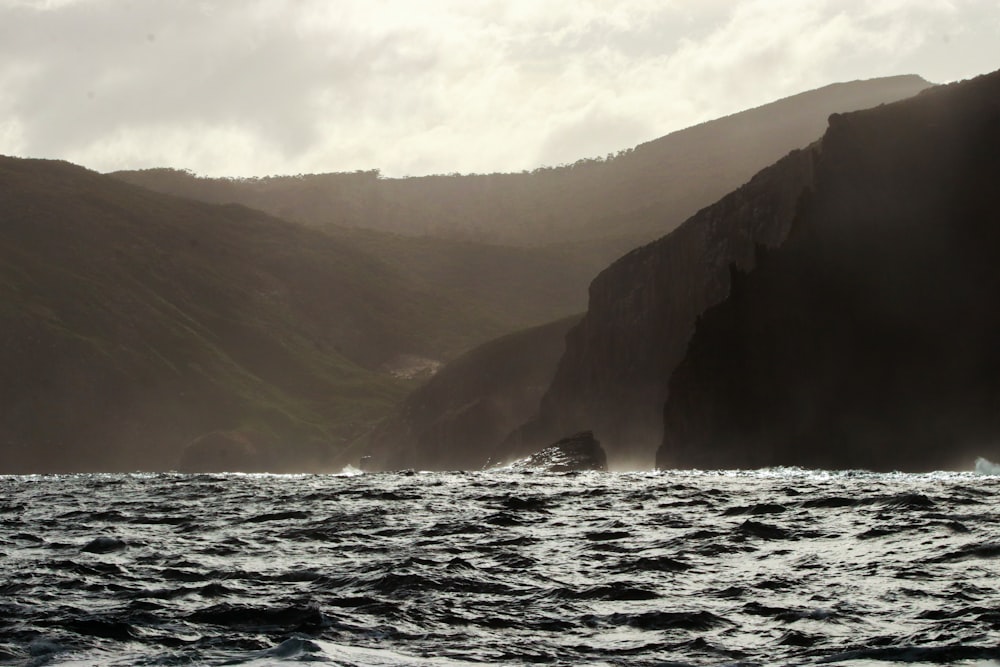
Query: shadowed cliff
x=868 y=340
x=612 y=377
x=642 y=309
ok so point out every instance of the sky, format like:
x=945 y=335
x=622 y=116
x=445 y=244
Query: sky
x=413 y=87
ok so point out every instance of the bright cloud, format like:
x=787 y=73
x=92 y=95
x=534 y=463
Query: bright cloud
x=242 y=87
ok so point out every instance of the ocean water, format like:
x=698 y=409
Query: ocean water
x=773 y=567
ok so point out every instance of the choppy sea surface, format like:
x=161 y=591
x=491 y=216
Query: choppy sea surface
x=786 y=567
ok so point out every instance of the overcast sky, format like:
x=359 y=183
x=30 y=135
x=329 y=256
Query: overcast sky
x=255 y=87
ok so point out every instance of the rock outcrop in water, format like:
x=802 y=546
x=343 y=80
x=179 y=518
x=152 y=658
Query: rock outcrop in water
x=104 y=545
x=868 y=340
x=575 y=453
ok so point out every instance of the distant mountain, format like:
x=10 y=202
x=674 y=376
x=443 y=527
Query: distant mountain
x=869 y=339
x=132 y=322
x=598 y=209
x=455 y=420
x=494 y=289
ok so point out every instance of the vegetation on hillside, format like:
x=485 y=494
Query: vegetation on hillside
x=132 y=322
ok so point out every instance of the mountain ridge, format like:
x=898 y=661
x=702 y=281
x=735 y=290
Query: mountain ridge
x=608 y=206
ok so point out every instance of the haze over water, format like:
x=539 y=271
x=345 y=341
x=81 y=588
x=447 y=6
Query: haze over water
x=694 y=568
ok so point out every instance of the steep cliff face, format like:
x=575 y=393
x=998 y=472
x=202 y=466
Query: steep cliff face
x=642 y=310
x=612 y=378
x=870 y=338
x=455 y=420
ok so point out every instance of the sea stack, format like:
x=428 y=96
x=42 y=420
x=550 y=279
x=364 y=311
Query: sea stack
x=578 y=452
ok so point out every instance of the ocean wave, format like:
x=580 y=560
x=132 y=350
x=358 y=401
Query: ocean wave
x=695 y=567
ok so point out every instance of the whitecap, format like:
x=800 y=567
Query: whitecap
x=987 y=467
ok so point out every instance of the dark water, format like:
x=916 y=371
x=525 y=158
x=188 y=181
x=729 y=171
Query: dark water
x=773 y=567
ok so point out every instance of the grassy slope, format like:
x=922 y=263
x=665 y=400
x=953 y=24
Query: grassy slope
x=133 y=321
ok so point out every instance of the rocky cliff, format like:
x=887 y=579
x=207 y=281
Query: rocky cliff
x=642 y=309
x=612 y=378
x=868 y=340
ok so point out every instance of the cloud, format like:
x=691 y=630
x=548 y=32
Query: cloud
x=12 y=135
x=243 y=87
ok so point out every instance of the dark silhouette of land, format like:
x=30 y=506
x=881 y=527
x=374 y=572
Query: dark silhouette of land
x=869 y=339
x=142 y=329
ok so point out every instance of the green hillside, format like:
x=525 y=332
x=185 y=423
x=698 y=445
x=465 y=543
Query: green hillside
x=132 y=322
